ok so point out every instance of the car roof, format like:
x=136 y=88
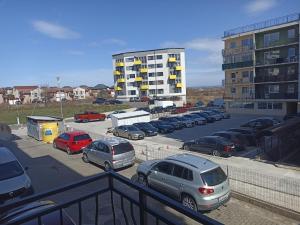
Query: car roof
x=193 y=161
x=111 y=141
x=6 y=155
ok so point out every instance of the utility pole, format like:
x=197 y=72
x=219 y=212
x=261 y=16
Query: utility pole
x=60 y=98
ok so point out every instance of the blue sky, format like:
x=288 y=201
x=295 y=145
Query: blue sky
x=74 y=39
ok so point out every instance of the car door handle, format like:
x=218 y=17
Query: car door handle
x=181 y=185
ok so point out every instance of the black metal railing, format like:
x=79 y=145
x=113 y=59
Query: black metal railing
x=237 y=65
x=138 y=200
x=274 y=78
x=276 y=95
x=270 y=62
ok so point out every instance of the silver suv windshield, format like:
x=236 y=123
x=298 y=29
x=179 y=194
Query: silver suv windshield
x=213 y=177
x=10 y=170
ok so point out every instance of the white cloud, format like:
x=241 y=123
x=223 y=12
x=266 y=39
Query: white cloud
x=54 y=30
x=258 y=6
x=109 y=41
x=75 y=52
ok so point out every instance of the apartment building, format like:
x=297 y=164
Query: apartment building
x=261 y=65
x=158 y=73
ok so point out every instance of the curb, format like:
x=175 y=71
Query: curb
x=265 y=205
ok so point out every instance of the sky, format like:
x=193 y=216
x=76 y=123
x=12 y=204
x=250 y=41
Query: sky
x=75 y=39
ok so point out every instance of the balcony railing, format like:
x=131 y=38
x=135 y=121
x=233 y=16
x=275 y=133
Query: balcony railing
x=276 y=95
x=119 y=64
x=121 y=80
x=172 y=59
x=137 y=62
x=279 y=78
x=143 y=70
x=278 y=43
x=293 y=59
x=172 y=77
x=237 y=65
x=262 y=25
x=138 y=79
x=118 y=88
x=236 y=51
x=123 y=199
x=116 y=72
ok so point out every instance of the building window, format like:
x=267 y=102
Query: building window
x=269 y=105
x=132 y=92
x=273 y=71
x=160 y=82
x=245 y=90
x=152 y=91
x=160 y=65
x=262 y=105
x=151 y=82
x=233 y=75
x=159 y=74
x=151 y=66
x=291 y=33
x=291 y=70
x=132 y=75
x=273 y=89
x=247 y=43
x=291 y=52
x=277 y=106
x=159 y=57
x=150 y=57
x=233 y=44
x=245 y=74
x=271 y=56
x=233 y=90
x=129 y=67
x=160 y=91
x=129 y=59
x=291 y=88
x=271 y=38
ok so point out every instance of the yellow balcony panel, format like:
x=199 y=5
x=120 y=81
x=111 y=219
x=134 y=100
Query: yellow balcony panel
x=119 y=64
x=138 y=79
x=118 y=89
x=172 y=77
x=144 y=87
x=116 y=72
x=121 y=80
x=143 y=70
x=137 y=62
x=172 y=59
x=179 y=85
x=178 y=68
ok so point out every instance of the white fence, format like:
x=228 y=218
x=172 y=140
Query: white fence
x=282 y=191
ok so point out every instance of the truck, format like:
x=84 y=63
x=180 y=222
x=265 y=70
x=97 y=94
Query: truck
x=89 y=116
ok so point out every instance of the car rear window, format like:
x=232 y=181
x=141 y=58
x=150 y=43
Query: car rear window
x=122 y=148
x=82 y=137
x=213 y=177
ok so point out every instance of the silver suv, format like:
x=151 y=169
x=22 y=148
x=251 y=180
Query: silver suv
x=198 y=183
x=112 y=153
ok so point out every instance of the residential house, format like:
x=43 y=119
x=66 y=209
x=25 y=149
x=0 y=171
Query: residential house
x=2 y=93
x=23 y=93
x=79 y=93
x=36 y=94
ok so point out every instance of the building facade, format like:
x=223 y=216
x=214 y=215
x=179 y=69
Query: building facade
x=261 y=64
x=79 y=93
x=154 y=73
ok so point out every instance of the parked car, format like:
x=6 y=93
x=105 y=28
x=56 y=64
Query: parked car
x=14 y=181
x=129 y=131
x=147 y=128
x=261 y=123
x=209 y=119
x=223 y=114
x=213 y=114
x=89 y=116
x=186 y=121
x=179 y=110
x=250 y=134
x=290 y=116
x=157 y=109
x=115 y=112
x=162 y=127
x=214 y=145
x=177 y=124
x=112 y=153
x=113 y=102
x=197 y=119
x=72 y=142
x=170 y=108
x=199 y=104
x=99 y=101
x=198 y=183
x=239 y=140
x=53 y=218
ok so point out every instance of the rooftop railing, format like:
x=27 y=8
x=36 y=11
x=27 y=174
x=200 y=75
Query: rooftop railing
x=262 y=25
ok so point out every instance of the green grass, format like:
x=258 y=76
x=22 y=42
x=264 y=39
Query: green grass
x=8 y=114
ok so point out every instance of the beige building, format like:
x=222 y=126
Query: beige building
x=79 y=93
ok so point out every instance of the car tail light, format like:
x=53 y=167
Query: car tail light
x=206 y=191
x=113 y=151
x=227 y=148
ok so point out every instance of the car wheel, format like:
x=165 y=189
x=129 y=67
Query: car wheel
x=186 y=147
x=142 y=179
x=54 y=145
x=107 y=166
x=189 y=202
x=216 y=153
x=68 y=151
x=85 y=158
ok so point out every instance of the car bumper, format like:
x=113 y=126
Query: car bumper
x=123 y=163
x=139 y=137
x=151 y=134
x=208 y=205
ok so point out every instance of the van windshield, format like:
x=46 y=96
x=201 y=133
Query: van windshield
x=213 y=177
x=12 y=169
x=122 y=148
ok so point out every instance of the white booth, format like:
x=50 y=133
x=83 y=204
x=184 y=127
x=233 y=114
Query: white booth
x=129 y=118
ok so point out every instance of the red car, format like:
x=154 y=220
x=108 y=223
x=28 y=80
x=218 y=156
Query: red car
x=89 y=116
x=72 y=142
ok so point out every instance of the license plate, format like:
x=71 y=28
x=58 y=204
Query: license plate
x=223 y=198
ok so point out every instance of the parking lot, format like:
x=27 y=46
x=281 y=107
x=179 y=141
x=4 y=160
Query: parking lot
x=50 y=168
